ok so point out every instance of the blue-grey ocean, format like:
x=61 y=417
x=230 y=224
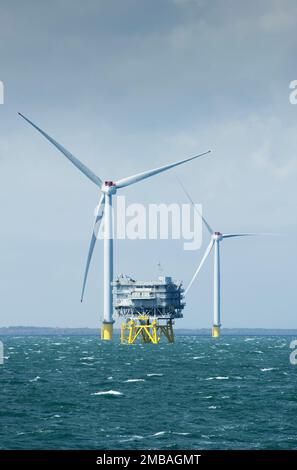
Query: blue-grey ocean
x=198 y=393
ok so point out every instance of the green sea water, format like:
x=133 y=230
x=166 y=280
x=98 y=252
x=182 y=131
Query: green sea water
x=198 y=393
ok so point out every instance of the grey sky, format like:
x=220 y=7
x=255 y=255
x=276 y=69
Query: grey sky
x=128 y=85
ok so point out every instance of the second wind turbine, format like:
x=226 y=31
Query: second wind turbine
x=216 y=239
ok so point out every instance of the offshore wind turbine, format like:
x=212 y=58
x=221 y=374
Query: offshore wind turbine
x=107 y=190
x=215 y=240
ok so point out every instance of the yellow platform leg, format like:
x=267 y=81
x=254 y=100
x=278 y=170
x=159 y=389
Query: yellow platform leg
x=124 y=329
x=107 y=331
x=216 y=331
x=148 y=332
x=167 y=330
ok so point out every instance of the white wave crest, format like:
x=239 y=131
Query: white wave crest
x=135 y=380
x=108 y=392
x=217 y=378
x=35 y=379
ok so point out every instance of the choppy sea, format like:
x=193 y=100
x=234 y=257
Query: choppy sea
x=198 y=393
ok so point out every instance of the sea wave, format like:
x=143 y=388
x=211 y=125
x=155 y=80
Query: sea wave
x=133 y=438
x=135 y=380
x=115 y=393
x=217 y=378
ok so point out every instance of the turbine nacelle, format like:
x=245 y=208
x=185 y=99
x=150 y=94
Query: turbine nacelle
x=109 y=187
x=217 y=236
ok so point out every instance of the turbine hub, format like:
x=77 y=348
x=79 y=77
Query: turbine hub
x=109 y=187
x=218 y=236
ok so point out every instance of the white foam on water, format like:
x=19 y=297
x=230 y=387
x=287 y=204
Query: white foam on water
x=181 y=433
x=87 y=358
x=198 y=357
x=132 y=438
x=60 y=358
x=249 y=339
x=108 y=392
x=154 y=375
x=35 y=379
x=160 y=433
x=135 y=380
x=212 y=407
x=109 y=378
x=217 y=378
x=267 y=368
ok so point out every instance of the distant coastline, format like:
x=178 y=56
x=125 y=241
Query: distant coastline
x=49 y=331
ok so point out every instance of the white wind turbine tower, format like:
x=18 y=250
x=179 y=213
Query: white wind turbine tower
x=107 y=190
x=216 y=239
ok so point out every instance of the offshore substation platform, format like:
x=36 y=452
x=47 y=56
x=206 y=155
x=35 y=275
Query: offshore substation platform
x=148 y=308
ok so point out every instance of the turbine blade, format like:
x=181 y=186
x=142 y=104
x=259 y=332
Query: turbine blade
x=147 y=174
x=210 y=230
x=83 y=168
x=98 y=219
x=207 y=251
x=233 y=235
